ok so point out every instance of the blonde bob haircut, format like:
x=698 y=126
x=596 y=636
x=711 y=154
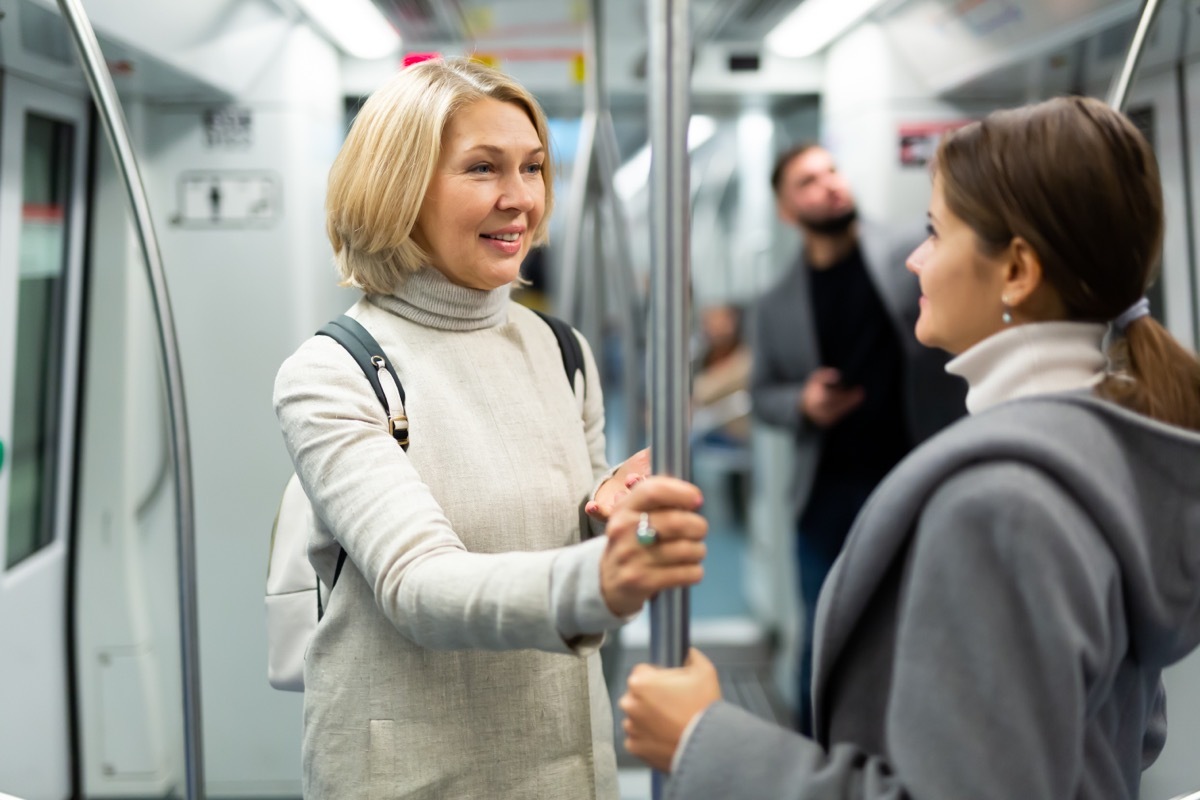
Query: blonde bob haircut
x=379 y=179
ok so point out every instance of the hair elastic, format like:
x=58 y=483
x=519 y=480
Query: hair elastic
x=1135 y=312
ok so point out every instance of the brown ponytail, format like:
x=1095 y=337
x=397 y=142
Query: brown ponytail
x=1080 y=183
x=1153 y=374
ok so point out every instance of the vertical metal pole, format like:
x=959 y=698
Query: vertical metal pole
x=567 y=291
x=632 y=319
x=590 y=308
x=1119 y=93
x=619 y=258
x=670 y=66
x=567 y=297
x=628 y=295
x=595 y=58
x=594 y=310
x=597 y=158
x=104 y=94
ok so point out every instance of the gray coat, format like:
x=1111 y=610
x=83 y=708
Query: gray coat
x=997 y=624
x=786 y=352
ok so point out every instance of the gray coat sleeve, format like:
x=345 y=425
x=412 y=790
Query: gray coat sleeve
x=1156 y=730
x=732 y=753
x=1003 y=629
x=774 y=400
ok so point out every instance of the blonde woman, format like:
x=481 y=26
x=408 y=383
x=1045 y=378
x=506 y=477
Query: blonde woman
x=1009 y=596
x=457 y=657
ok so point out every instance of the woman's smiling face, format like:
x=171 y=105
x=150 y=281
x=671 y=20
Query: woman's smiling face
x=486 y=196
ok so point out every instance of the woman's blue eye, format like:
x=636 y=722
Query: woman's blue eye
x=929 y=230
x=534 y=168
x=481 y=168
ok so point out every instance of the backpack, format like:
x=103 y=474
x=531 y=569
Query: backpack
x=294 y=596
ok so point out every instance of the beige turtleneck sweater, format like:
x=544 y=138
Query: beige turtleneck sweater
x=457 y=654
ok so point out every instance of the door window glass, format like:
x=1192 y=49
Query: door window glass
x=41 y=296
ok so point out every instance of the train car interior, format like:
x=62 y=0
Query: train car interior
x=132 y=654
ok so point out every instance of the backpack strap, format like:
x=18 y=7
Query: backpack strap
x=568 y=345
x=371 y=359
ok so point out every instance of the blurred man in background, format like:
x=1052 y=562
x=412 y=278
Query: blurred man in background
x=837 y=363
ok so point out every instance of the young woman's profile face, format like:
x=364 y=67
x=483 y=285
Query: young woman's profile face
x=961 y=287
x=486 y=196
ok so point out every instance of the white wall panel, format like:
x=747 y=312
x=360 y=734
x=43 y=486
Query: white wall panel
x=244 y=298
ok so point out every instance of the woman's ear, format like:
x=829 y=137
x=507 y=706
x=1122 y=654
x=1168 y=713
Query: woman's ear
x=1026 y=289
x=1023 y=275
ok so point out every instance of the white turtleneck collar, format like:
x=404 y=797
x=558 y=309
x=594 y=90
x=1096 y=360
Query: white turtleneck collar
x=428 y=298
x=1035 y=358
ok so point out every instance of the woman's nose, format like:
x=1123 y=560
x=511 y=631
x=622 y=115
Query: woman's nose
x=916 y=259
x=518 y=192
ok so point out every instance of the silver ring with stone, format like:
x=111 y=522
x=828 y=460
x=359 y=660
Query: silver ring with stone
x=646 y=535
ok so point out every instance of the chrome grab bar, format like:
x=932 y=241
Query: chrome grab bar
x=1118 y=95
x=670 y=83
x=108 y=105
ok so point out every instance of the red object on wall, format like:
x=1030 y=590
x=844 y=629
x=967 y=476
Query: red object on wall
x=42 y=212
x=417 y=58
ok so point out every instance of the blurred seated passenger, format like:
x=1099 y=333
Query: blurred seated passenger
x=999 y=620
x=721 y=416
x=457 y=654
x=721 y=379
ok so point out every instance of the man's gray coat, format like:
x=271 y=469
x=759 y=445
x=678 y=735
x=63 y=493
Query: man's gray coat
x=786 y=353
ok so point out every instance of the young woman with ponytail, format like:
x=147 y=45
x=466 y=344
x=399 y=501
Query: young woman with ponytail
x=999 y=621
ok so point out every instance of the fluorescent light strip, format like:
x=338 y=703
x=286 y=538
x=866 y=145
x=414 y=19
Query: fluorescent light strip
x=355 y=26
x=816 y=23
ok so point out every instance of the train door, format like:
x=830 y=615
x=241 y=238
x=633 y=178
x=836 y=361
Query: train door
x=42 y=144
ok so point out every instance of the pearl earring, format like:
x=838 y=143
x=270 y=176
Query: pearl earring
x=1006 y=317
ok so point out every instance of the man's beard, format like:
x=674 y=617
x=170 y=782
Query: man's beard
x=832 y=225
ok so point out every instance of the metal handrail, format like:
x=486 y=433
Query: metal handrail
x=669 y=69
x=594 y=208
x=567 y=292
x=116 y=130
x=1118 y=95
